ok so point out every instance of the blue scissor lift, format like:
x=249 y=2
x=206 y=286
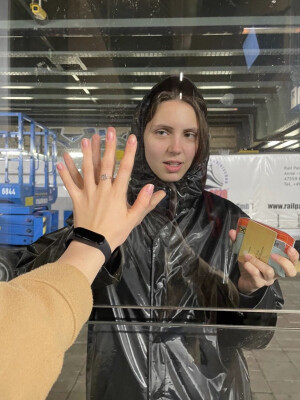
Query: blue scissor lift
x=28 y=184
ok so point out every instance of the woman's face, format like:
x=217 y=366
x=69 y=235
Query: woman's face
x=171 y=140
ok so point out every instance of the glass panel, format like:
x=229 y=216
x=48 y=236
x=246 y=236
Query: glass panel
x=259 y=362
x=69 y=70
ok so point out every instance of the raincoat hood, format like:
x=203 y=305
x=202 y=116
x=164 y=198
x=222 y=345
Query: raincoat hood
x=192 y=183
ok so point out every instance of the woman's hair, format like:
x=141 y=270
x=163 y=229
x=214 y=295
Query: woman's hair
x=200 y=109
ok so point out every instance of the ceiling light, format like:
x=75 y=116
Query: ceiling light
x=80 y=98
x=271 y=144
x=76 y=77
x=14 y=36
x=75 y=36
x=141 y=87
x=147 y=35
x=293 y=133
x=217 y=34
x=17 y=87
x=222 y=109
x=16 y=98
x=213 y=98
x=215 y=87
x=137 y=98
x=81 y=87
x=86 y=109
x=296 y=146
x=285 y=144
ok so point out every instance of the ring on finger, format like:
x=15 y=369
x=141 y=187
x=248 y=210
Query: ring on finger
x=104 y=177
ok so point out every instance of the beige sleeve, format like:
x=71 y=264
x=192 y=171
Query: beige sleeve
x=41 y=314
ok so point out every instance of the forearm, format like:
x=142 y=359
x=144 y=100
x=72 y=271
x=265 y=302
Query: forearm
x=42 y=313
x=85 y=258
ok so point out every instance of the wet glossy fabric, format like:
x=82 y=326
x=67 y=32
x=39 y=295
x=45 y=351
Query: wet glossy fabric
x=177 y=257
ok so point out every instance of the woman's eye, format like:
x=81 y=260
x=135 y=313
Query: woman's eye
x=161 y=132
x=191 y=135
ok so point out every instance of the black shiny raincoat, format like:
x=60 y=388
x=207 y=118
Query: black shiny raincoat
x=177 y=258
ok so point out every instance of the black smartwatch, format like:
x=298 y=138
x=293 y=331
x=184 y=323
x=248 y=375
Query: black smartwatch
x=91 y=239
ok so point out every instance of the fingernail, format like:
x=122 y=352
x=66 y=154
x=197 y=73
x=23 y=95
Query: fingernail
x=85 y=143
x=292 y=250
x=149 y=188
x=109 y=135
x=247 y=256
x=275 y=256
x=131 y=139
x=59 y=166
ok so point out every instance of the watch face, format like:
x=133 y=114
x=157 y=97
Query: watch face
x=92 y=236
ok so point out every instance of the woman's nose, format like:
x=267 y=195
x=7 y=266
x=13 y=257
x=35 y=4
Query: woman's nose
x=175 y=145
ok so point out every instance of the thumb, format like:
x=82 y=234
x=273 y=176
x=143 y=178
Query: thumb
x=145 y=202
x=232 y=234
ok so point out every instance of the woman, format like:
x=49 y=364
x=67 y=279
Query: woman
x=177 y=258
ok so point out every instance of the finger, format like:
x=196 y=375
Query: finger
x=266 y=271
x=67 y=179
x=73 y=171
x=96 y=154
x=251 y=270
x=145 y=202
x=293 y=255
x=87 y=165
x=156 y=198
x=122 y=179
x=232 y=234
x=286 y=264
x=108 y=161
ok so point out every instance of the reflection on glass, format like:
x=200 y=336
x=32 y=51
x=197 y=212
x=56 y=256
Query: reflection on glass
x=79 y=67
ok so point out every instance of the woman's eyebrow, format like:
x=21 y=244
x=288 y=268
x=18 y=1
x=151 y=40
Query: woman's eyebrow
x=196 y=130
x=162 y=126
x=170 y=128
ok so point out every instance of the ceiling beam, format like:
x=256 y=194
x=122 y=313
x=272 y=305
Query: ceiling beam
x=140 y=86
x=239 y=21
x=149 y=71
x=149 y=53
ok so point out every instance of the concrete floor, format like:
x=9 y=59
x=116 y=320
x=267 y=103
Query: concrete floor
x=274 y=371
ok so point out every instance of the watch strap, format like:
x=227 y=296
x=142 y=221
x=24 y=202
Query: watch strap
x=91 y=238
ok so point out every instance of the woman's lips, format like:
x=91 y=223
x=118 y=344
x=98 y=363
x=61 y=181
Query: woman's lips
x=173 y=166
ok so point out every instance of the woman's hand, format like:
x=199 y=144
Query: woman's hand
x=99 y=202
x=255 y=274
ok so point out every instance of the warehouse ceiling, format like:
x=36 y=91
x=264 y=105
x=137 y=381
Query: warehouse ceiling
x=90 y=62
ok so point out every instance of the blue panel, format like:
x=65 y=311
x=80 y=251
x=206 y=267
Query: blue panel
x=251 y=48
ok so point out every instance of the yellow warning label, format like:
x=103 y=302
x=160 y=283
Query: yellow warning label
x=44 y=225
x=29 y=201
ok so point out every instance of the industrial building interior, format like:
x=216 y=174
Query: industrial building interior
x=90 y=62
x=79 y=66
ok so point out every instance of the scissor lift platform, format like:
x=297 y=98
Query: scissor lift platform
x=28 y=184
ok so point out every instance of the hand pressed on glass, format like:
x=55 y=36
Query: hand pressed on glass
x=100 y=204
